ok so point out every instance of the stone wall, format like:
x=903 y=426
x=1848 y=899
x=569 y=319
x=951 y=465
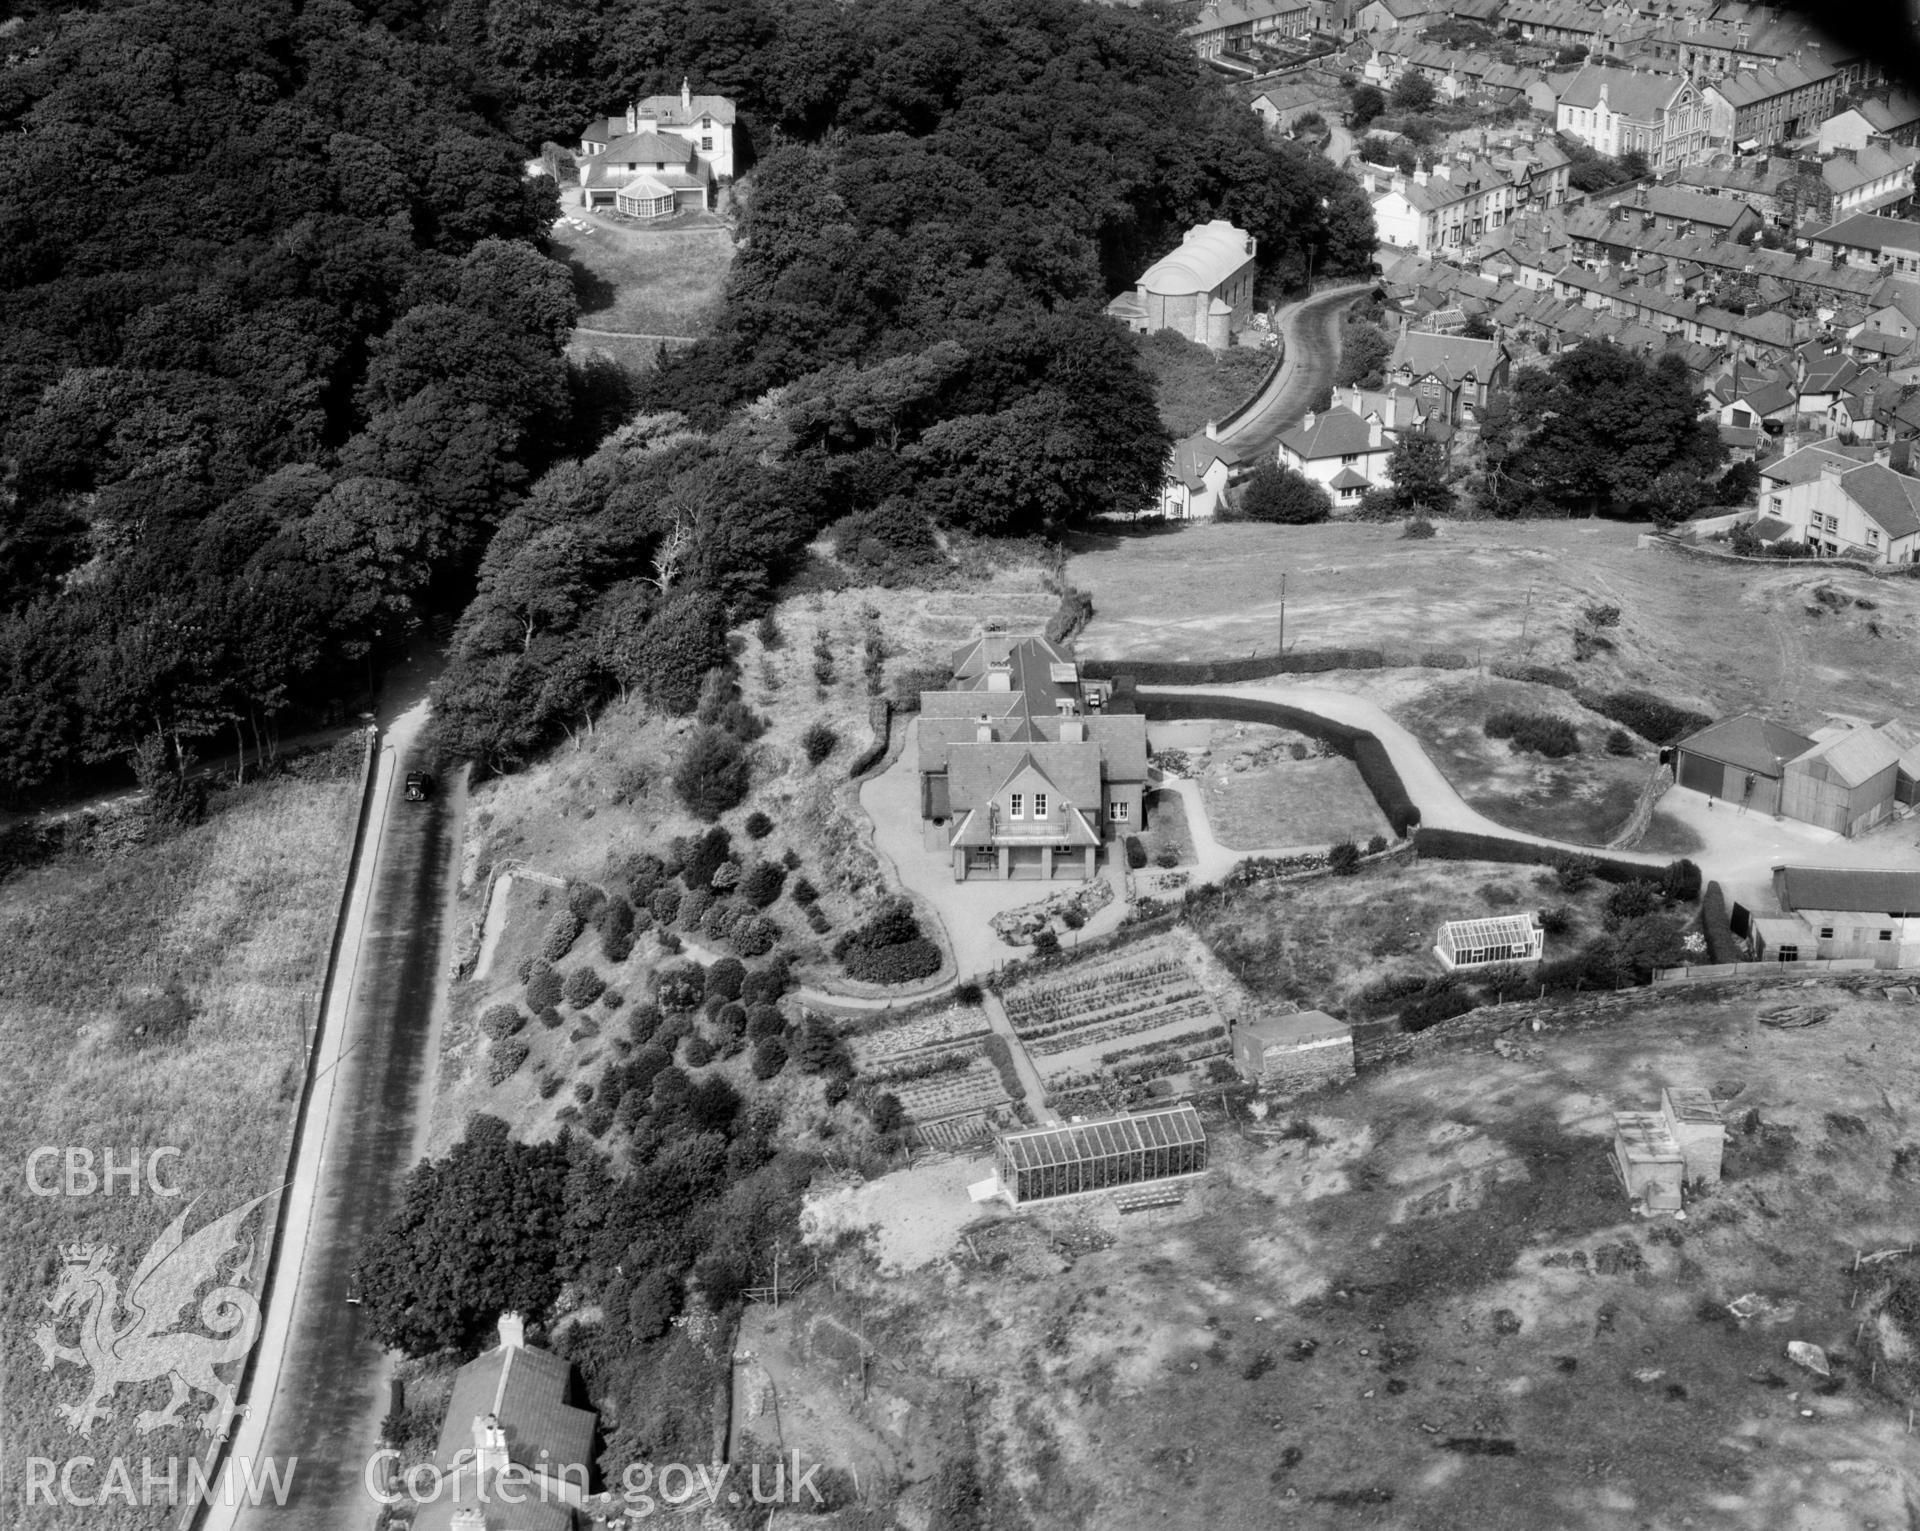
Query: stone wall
x=1309 y=1068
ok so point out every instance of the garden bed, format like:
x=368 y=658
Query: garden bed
x=1269 y=788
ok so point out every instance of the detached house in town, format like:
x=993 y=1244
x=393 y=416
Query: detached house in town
x=1620 y=111
x=1449 y=374
x=1202 y=290
x=1843 y=503
x=1340 y=451
x=663 y=157
x=1023 y=774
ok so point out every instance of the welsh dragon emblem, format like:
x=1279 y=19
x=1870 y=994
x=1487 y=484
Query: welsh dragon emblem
x=133 y=1336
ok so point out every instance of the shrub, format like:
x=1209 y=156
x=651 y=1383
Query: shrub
x=1556 y=921
x=1376 y=845
x=1168 y=859
x=769 y=1057
x=1298 y=749
x=1432 y=1009
x=818 y=742
x=679 y=989
x=1540 y=733
x=561 y=935
x=1136 y=854
x=755 y=936
x=1632 y=901
x=722 y=918
x=1343 y=860
x=725 y=876
x=543 y=989
x=1619 y=742
x=804 y=892
x=898 y=962
x=725 y=978
x=549 y=1018
x=657 y=1296
x=1722 y=944
x=969 y=993
x=613 y=999
x=698 y=1053
x=1651 y=717
x=1045 y=942
x=766 y=983
x=768 y=632
x=1072 y=917
x=758 y=825
x=765 y=1021
x=664 y=906
x=642 y=1022
x=763 y=882
x=501 y=1022
x=713 y=774
x=694 y=907
x=586 y=901
x=1277 y=494
x=584 y=986
x=1573 y=872
x=1419 y=529
x=616 y=948
x=504 y=1059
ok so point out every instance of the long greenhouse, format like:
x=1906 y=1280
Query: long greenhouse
x=1101 y=1155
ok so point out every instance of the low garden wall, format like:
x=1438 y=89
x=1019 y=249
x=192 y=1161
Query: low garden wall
x=1692 y=974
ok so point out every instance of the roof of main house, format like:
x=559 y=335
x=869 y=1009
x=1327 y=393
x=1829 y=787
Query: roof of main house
x=526 y=1390
x=1850 y=889
x=978 y=773
x=1334 y=432
x=1206 y=257
x=1891 y=500
x=1040 y=676
x=1450 y=357
x=1749 y=742
x=1630 y=93
x=666 y=111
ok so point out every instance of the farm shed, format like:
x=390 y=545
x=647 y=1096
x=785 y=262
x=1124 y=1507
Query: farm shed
x=1845 y=783
x=1101 y=1155
x=1648 y=1160
x=1494 y=942
x=1742 y=759
x=1290 y=1053
x=1840 y=913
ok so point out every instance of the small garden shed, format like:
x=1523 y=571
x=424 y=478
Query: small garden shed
x=1290 y=1053
x=1648 y=1160
x=1494 y=942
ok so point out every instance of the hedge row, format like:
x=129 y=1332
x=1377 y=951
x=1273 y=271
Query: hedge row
x=1073 y=613
x=1222 y=672
x=1678 y=879
x=1383 y=781
x=1722 y=944
x=880 y=719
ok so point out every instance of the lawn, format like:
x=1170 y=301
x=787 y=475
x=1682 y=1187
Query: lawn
x=639 y=281
x=1193 y=383
x=1720 y=638
x=1280 y=803
x=1426 y=1303
x=240 y=912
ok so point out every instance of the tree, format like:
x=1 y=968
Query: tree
x=1412 y=92
x=713 y=774
x=1365 y=104
x=428 y=1284
x=1417 y=469
x=1281 y=495
x=1364 y=350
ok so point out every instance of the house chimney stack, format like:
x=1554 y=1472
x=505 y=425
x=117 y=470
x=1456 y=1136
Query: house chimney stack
x=686 y=96
x=1883 y=456
x=489 y=1444
x=1000 y=676
x=513 y=1332
x=1831 y=471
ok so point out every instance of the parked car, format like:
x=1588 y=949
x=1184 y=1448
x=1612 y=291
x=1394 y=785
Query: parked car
x=419 y=786
x=353 y=1286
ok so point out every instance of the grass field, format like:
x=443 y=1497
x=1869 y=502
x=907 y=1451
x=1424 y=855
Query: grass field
x=239 y=912
x=1721 y=638
x=1320 y=943
x=642 y=282
x=1426 y=1304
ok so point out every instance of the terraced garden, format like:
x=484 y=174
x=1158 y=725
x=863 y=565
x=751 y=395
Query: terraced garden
x=1118 y=1034
x=936 y=1064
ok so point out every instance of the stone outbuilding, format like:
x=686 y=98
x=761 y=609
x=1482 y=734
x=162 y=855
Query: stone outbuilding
x=1290 y=1054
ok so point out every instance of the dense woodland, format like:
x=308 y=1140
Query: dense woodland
x=281 y=369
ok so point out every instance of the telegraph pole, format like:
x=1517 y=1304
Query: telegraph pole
x=1525 y=619
x=1283 y=613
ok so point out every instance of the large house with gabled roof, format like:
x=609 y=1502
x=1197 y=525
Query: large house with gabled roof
x=1450 y=374
x=1842 y=502
x=516 y=1449
x=1340 y=451
x=663 y=157
x=1025 y=771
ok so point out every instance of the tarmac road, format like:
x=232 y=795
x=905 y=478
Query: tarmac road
x=1312 y=331
x=320 y=1391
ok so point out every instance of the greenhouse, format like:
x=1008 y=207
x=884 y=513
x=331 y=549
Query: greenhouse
x=1490 y=943
x=1101 y=1155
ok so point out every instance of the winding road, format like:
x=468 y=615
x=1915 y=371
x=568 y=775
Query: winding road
x=1312 y=333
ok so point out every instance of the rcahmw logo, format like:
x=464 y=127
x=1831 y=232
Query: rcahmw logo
x=76 y=1175
x=134 y=1336
x=91 y=1483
